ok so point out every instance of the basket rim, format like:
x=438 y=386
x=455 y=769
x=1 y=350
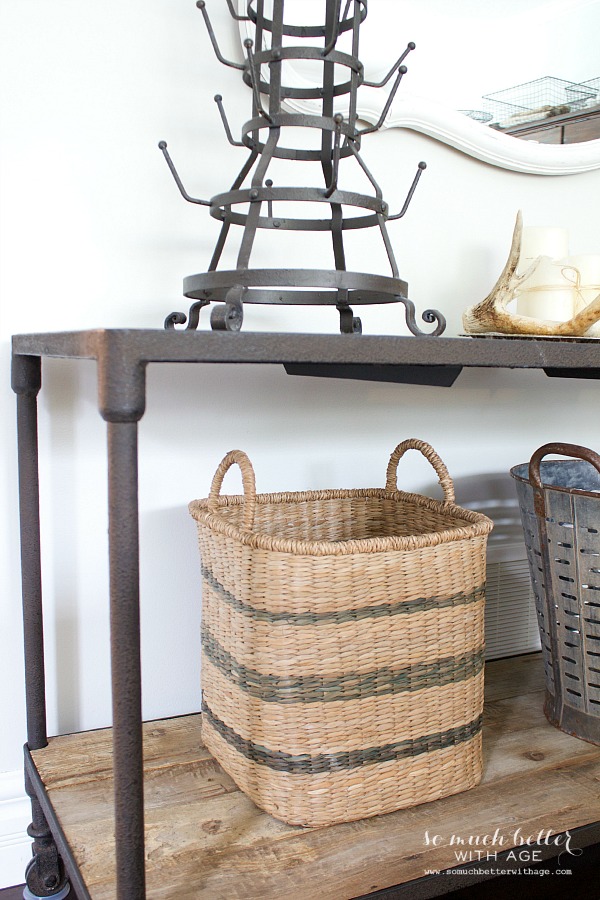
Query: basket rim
x=565 y=489
x=476 y=524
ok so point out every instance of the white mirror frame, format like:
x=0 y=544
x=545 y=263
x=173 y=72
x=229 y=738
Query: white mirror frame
x=456 y=129
x=481 y=141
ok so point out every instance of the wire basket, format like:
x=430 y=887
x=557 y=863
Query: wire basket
x=560 y=511
x=593 y=86
x=537 y=99
x=343 y=641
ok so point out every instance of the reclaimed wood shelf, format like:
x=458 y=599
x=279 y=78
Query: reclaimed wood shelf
x=221 y=841
x=207 y=840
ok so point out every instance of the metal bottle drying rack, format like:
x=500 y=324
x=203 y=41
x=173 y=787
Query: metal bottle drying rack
x=254 y=206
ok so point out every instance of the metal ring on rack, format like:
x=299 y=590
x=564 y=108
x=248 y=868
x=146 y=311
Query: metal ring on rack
x=305 y=31
x=313 y=287
x=285 y=223
x=298 y=120
x=299 y=195
x=280 y=54
x=364 y=288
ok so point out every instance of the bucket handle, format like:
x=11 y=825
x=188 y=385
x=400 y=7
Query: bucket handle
x=239 y=458
x=572 y=450
x=391 y=480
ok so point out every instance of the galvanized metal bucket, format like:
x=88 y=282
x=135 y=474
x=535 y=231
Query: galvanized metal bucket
x=560 y=511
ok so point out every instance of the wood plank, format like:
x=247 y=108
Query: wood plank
x=207 y=840
x=326 y=866
x=87 y=756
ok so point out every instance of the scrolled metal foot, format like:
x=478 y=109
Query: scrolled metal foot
x=429 y=316
x=226 y=318
x=179 y=318
x=173 y=319
x=349 y=323
x=229 y=316
x=433 y=315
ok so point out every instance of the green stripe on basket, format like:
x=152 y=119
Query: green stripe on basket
x=289 y=689
x=421 y=604
x=304 y=764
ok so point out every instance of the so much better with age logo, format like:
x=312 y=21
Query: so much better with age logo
x=500 y=852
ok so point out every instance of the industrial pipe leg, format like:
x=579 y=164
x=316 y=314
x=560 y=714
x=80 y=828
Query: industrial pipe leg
x=45 y=874
x=125 y=659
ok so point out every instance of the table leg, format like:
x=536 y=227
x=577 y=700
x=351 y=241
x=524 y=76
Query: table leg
x=45 y=875
x=125 y=659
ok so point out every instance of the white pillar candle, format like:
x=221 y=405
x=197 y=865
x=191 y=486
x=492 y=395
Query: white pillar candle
x=548 y=293
x=584 y=272
x=554 y=305
x=539 y=240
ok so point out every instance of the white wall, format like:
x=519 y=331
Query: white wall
x=94 y=233
x=479 y=47
x=469 y=48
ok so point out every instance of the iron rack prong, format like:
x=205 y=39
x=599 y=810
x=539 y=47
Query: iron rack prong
x=401 y=73
x=353 y=147
x=163 y=146
x=248 y=44
x=219 y=102
x=235 y=15
x=338 y=119
x=399 y=61
x=201 y=4
x=420 y=169
x=336 y=29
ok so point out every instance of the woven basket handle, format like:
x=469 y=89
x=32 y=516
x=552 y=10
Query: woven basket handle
x=572 y=450
x=391 y=482
x=235 y=457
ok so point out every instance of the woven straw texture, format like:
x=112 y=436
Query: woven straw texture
x=342 y=636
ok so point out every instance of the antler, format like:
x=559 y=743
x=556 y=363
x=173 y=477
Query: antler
x=491 y=315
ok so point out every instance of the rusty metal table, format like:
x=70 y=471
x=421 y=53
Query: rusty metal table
x=122 y=356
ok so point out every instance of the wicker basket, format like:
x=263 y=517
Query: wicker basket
x=342 y=644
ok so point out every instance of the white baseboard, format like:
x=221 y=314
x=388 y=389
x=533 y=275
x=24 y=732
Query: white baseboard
x=15 y=816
